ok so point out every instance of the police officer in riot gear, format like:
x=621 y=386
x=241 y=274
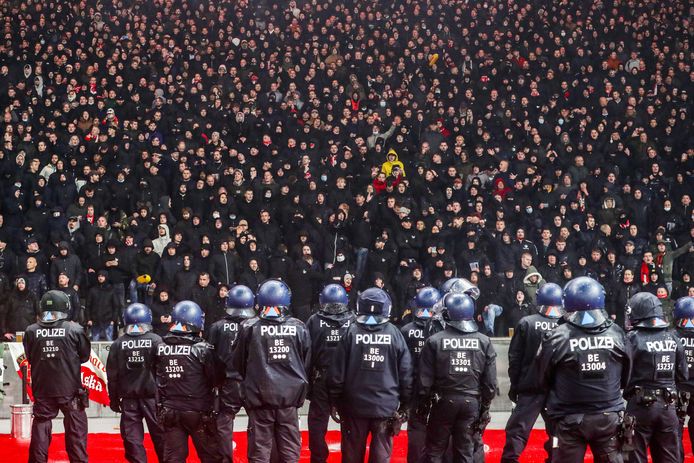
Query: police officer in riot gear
x=56 y=349
x=659 y=367
x=453 y=285
x=457 y=368
x=239 y=307
x=187 y=371
x=131 y=385
x=524 y=390
x=326 y=329
x=684 y=329
x=271 y=356
x=436 y=323
x=583 y=364
x=414 y=333
x=370 y=380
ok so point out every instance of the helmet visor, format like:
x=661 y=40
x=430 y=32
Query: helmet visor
x=552 y=311
x=654 y=323
x=138 y=328
x=272 y=312
x=183 y=328
x=465 y=287
x=464 y=326
x=587 y=318
x=371 y=319
x=50 y=316
x=240 y=313
x=333 y=308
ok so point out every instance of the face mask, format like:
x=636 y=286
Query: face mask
x=340 y=258
x=324 y=178
x=541 y=120
x=667 y=209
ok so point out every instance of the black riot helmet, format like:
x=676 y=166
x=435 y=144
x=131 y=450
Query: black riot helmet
x=54 y=306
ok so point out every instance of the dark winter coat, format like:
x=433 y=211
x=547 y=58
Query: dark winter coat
x=102 y=305
x=19 y=312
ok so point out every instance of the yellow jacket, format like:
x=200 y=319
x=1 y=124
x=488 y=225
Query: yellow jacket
x=387 y=166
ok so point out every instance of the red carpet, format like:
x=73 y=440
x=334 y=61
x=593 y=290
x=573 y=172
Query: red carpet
x=105 y=448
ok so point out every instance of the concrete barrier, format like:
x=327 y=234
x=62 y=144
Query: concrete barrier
x=12 y=386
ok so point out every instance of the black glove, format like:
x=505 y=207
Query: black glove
x=513 y=395
x=335 y=414
x=423 y=407
x=483 y=420
x=115 y=406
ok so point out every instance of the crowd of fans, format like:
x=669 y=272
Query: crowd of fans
x=164 y=150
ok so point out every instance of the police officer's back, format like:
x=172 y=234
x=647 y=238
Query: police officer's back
x=240 y=306
x=659 y=367
x=525 y=389
x=187 y=372
x=684 y=329
x=457 y=368
x=436 y=323
x=326 y=329
x=415 y=334
x=583 y=365
x=131 y=385
x=55 y=349
x=272 y=355
x=370 y=379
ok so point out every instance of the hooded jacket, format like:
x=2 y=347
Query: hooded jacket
x=146 y=264
x=102 y=306
x=69 y=264
x=168 y=267
x=19 y=312
x=529 y=287
x=160 y=242
x=387 y=167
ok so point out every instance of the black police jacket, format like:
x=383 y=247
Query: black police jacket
x=186 y=372
x=659 y=360
x=584 y=369
x=273 y=358
x=457 y=363
x=326 y=331
x=527 y=338
x=222 y=335
x=129 y=366
x=371 y=372
x=686 y=338
x=415 y=334
x=56 y=352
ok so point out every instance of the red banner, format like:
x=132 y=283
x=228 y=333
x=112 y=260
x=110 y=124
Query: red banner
x=93 y=373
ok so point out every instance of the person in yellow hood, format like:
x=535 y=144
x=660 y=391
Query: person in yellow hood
x=392 y=161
